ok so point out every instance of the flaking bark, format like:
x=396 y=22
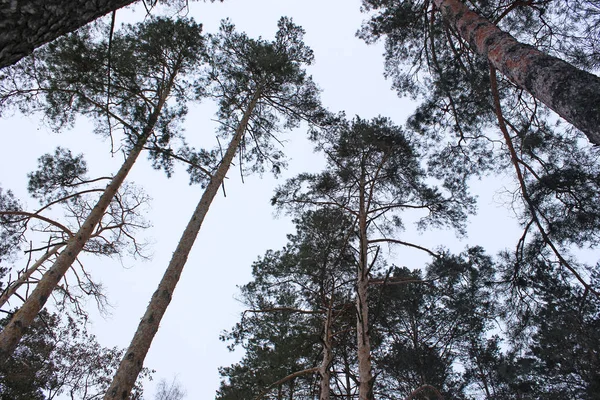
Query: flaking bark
x=133 y=359
x=28 y=24
x=572 y=93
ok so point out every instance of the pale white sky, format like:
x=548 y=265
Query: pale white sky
x=240 y=227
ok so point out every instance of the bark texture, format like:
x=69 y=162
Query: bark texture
x=572 y=93
x=365 y=374
x=28 y=24
x=133 y=359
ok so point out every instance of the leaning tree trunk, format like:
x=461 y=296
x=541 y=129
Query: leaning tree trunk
x=22 y=319
x=24 y=277
x=573 y=93
x=28 y=24
x=365 y=374
x=133 y=359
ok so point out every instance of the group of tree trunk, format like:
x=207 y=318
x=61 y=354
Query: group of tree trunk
x=329 y=316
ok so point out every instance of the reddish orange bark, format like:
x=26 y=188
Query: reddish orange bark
x=572 y=93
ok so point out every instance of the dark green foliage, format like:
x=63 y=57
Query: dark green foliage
x=287 y=302
x=56 y=175
x=241 y=69
x=383 y=160
x=558 y=175
x=12 y=227
x=57 y=356
x=140 y=88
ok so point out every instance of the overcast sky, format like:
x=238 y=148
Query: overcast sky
x=242 y=226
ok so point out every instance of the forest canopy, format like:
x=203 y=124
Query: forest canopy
x=384 y=200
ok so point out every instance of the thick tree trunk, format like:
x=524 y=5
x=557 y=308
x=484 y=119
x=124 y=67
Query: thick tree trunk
x=22 y=319
x=365 y=375
x=572 y=93
x=133 y=359
x=28 y=24
x=14 y=286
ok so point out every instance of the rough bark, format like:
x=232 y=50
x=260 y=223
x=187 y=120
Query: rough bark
x=28 y=24
x=133 y=359
x=572 y=93
x=365 y=375
x=22 y=319
x=24 y=277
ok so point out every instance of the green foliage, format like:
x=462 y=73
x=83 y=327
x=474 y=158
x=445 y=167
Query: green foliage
x=12 y=227
x=138 y=84
x=56 y=174
x=241 y=69
x=288 y=299
x=57 y=356
x=381 y=160
x=558 y=174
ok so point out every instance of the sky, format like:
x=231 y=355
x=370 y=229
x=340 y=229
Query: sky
x=242 y=226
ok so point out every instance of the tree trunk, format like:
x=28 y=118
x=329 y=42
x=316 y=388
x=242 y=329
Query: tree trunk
x=365 y=376
x=572 y=93
x=14 y=330
x=14 y=286
x=133 y=359
x=324 y=392
x=28 y=24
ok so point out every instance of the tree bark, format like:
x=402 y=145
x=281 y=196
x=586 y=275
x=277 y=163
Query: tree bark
x=324 y=391
x=572 y=93
x=365 y=375
x=22 y=319
x=14 y=286
x=133 y=359
x=28 y=24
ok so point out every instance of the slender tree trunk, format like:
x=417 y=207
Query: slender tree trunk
x=133 y=359
x=22 y=319
x=324 y=392
x=365 y=376
x=14 y=286
x=28 y=24
x=572 y=93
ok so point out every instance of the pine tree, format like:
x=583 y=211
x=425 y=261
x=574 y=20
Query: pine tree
x=256 y=83
x=61 y=181
x=557 y=174
x=299 y=302
x=57 y=356
x=152 y=56
x=372 y=175
x=570 y=92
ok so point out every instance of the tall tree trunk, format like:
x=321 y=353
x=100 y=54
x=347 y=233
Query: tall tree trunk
x=365 y=375
x=28 y=24
x=14 y=286
x=133 y=359
x=324 y=369
x=22 y=319
x=572 y=93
